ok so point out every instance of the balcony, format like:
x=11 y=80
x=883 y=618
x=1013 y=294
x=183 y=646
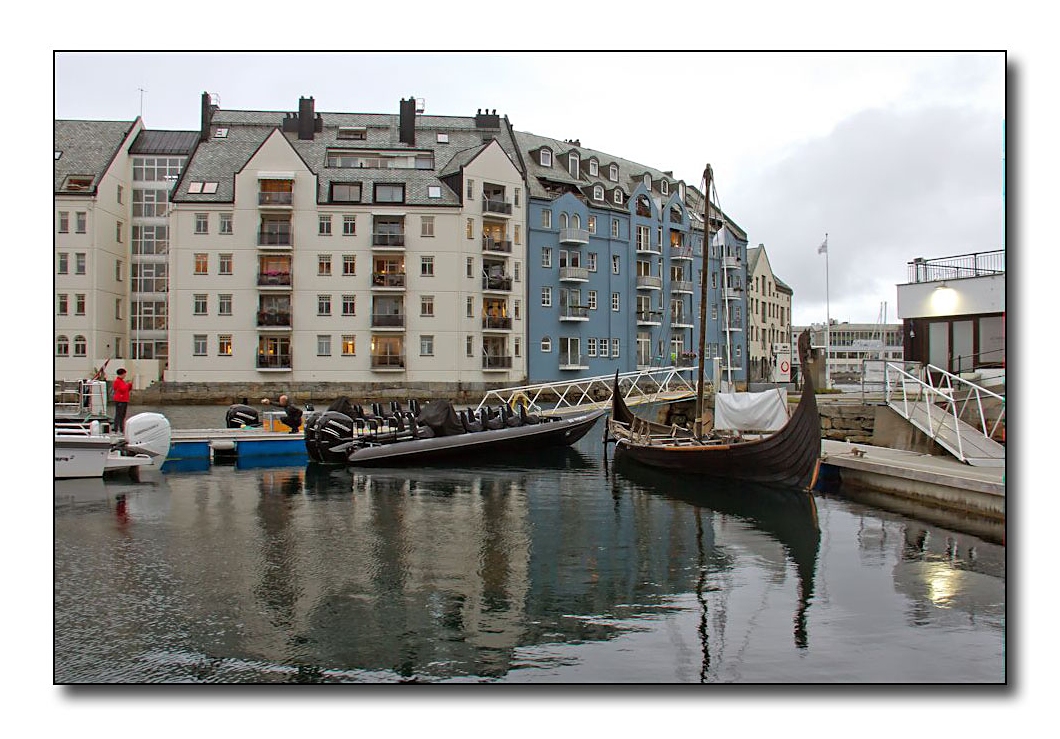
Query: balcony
x=735 y=324
x=496 y=362
x=501 y=246
x=388 y=320
x=388 y=241
x=274 y=362
x=275 y=199
x=573 y=236
x=571 y=361
x=733 y=293
x=649 y=282
x=388 y=280
x=648 y=248
x=681 y=286
x=573 y=274
x=276 y=319
x=274 y=279
x=682 y=252
x=502 y=283
x=730 y=262
x=574 y=313
x=495 y=207
x=384 y=362
x=679 y=321
x=649 y=318
x=496 y=323
x=281 y=239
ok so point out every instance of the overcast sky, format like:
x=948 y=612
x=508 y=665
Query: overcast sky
x=893 y=155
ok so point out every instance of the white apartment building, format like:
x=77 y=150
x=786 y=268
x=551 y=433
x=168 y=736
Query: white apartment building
x=769 y=315
x=339 y=247
x=849 y=344
x=92 y=201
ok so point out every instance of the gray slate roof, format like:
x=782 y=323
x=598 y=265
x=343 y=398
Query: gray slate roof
x=88 y=148
x=219 y=159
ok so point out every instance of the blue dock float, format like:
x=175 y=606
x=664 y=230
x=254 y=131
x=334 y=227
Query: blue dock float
x=250 y=447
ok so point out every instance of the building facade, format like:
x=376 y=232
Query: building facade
x=769 y=313
x=448 y=252
x=850 y=344
x=341 y=247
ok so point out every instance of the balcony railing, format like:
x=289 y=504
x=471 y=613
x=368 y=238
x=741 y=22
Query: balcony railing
x=649 y=318
x=496 y=362
x=735 y=324
x=388 y=279
x=649 y=282
x=679 y=321
x=274 y=361
x=388 y=361
x=570 y=360
x=496 y=206
x=498 y=245
x=648 y=248
x=275 y=198
x=497 y=323
x=574 y=274
x=282 y=279
x=274 y=318
x=730 y=262
x=388 y=320
x=273 y=238
x=573 y=236
x=388 y=239
x=574 y=313
x=682 y=252
x=497 y=283
x=681 y=286
x=979 y=264
x=733 y=293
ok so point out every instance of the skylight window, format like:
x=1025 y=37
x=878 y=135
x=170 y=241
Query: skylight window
x=194 y=188
x=209 y=188
x=443 y=138
x=57 y=155
x=357 y=133
x=434 y=191
x=220 y=133
x=78 y=183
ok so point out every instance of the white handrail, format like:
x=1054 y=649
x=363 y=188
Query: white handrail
x=575 y=393
x=977 y=390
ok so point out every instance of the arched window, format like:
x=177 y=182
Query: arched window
x=62 y=346
x=575 y=163
x=562 y=220
x=647 y=180
x=598 y=193
x=575 y=221
x=594 y=168
x=546 y=345
x=618 y=196
x=664 y=187
x=80 y=346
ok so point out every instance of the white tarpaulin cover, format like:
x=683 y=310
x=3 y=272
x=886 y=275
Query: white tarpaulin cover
x=766 y=411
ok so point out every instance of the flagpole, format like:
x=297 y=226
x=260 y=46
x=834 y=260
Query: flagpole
x=827 y=318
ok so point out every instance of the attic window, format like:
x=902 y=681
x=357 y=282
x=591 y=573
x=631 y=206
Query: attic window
x=443 y=138
x=194 y=188
x=434 y=191
x=357 y=133
x=220 y=133
x=664 y=187
x=57 y=155
x=546 y=158
x=612 y=173
x=209 y=188
x=78 y=183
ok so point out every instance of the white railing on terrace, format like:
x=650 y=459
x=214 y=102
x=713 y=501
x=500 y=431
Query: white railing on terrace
x=939 y=409
x=589 y=393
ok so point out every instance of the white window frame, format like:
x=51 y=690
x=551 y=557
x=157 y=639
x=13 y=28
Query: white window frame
x=546 y=345
x=426 y=345
x=616 y=302
x=427 y=266
x=590 y=346
x=427 y=306
x=323 y=345
x=224 y=304
x=594 y=168
x=546 y=257
x=546 y=296
x=323 y=304
x=598 y=192
x=198 y=304
x=612 y=173
x=545 y=158
x=574 y=165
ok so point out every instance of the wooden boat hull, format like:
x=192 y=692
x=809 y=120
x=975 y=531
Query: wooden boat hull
x=789 y=457
x=475 y=445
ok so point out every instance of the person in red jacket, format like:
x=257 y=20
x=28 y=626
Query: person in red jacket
x=121 y=400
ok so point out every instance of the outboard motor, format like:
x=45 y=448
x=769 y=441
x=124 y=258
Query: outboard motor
x=310 y=434
x=332 y=429
x=148 y=433
x=240 y=415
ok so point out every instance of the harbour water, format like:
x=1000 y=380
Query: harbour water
x=559 y=568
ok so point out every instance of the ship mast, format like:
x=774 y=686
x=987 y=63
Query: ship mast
x=708 y=174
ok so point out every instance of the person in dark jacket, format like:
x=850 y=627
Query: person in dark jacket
x=294 y=414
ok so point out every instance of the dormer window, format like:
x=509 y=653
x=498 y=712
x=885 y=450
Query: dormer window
x=77 y=183
x=598 y=193
x=356 y=133
x=681 y=190
x=612 y=173
x=545 y=158
x=618 y=196
x=574 y=163
x=664 y=187
x=647 y=181
x=594 y=168
x=443 y=138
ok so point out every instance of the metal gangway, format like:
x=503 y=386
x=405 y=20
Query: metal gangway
x=937 y=402
x=649 y=385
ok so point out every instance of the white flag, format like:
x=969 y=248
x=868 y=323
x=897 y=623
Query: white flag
x=823 y=248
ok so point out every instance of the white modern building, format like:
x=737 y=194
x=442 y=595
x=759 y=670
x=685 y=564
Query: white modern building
x=850 y=344
x=339 y=247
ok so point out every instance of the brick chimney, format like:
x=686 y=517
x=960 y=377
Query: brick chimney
x=306 y=124
x=208 y=109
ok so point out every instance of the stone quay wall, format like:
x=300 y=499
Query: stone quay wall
x=315 y=393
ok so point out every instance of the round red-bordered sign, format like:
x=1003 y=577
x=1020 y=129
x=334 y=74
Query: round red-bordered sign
x=783 y=365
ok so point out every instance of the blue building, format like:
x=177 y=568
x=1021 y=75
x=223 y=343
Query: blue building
x=614 y=263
